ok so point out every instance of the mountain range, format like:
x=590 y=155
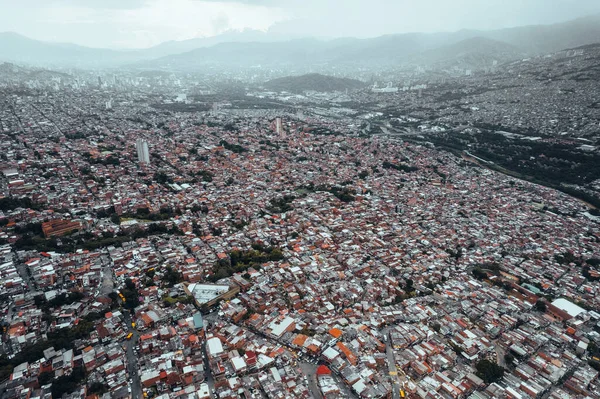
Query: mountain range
x=253 y=48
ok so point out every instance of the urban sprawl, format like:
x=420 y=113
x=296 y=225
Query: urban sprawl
x=160 y=242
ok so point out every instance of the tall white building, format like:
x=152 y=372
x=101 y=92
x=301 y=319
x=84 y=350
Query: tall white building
x=141 y=146
x=279 y=128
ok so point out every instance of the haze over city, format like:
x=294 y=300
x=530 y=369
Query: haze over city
x=145 y=23
x=278 y=199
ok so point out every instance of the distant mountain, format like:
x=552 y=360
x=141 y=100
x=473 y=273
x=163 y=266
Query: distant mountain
x=21 y=49
x=230 y=36
x=313 y=82
x=9 y=71
x=243 y=55
x=254 y=48
x=477 y=52
x=466 y=48
x=540 y=39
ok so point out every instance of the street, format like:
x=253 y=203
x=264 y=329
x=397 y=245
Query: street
x=397 y=376
x=24 y=273
x=310 y=371
x=393 y=372
x=208 y=319
x=132 y=366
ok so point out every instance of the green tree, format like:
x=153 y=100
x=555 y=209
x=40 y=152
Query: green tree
x=489 y=371
x=172 y=277
x=131 y=294
x=45 y=378
x=540 y=305
x=97 y=388
x=67 y=383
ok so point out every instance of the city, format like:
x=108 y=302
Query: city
x=176 y=235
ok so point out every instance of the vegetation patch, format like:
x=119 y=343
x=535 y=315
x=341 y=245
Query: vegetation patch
x=241 y=260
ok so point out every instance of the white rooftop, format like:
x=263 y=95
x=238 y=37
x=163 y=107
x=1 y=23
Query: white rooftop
x=238 y=363
x=214 y=346
x=207 y=292
x=279 y=329
x=567 y=306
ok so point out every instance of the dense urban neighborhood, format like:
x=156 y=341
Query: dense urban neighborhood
x=164 y=236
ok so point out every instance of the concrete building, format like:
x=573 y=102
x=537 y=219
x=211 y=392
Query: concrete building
x=279 y=128
x=143 y=153
x=209 y=294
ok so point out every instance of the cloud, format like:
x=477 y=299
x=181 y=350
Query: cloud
x=220 y=23
x=89 y=4
x=251 y=2
x=98 y=4
x=131 y=24
x=143 y=23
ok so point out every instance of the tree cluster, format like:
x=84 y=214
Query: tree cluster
x=489 y=371
x=281 y=205
x=171 y=277
x=239 y=261
x=58 y=301
x=10 y=203
x=68 y=383
x=206 y=175
x=401 y=167
x=236 y=148
x=131 y=294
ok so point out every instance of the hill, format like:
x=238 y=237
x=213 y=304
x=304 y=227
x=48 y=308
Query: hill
x=250 y=49
x=540 y=39
x=313 y=82
x=423 y=48
x=21 y=49
x=477 y=52
x=12 y=72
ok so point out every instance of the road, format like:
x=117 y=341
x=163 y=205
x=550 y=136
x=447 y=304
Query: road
x=208 y=377
x=132 y=360
x=393 y=372
x=397 y=376
x=310 y=371
x=23 y=271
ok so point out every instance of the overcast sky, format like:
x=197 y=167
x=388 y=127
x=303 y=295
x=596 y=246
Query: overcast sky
x=143 y=23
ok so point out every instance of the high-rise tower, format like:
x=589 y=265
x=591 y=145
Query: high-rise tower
x=279 y=128
x=141 y=146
